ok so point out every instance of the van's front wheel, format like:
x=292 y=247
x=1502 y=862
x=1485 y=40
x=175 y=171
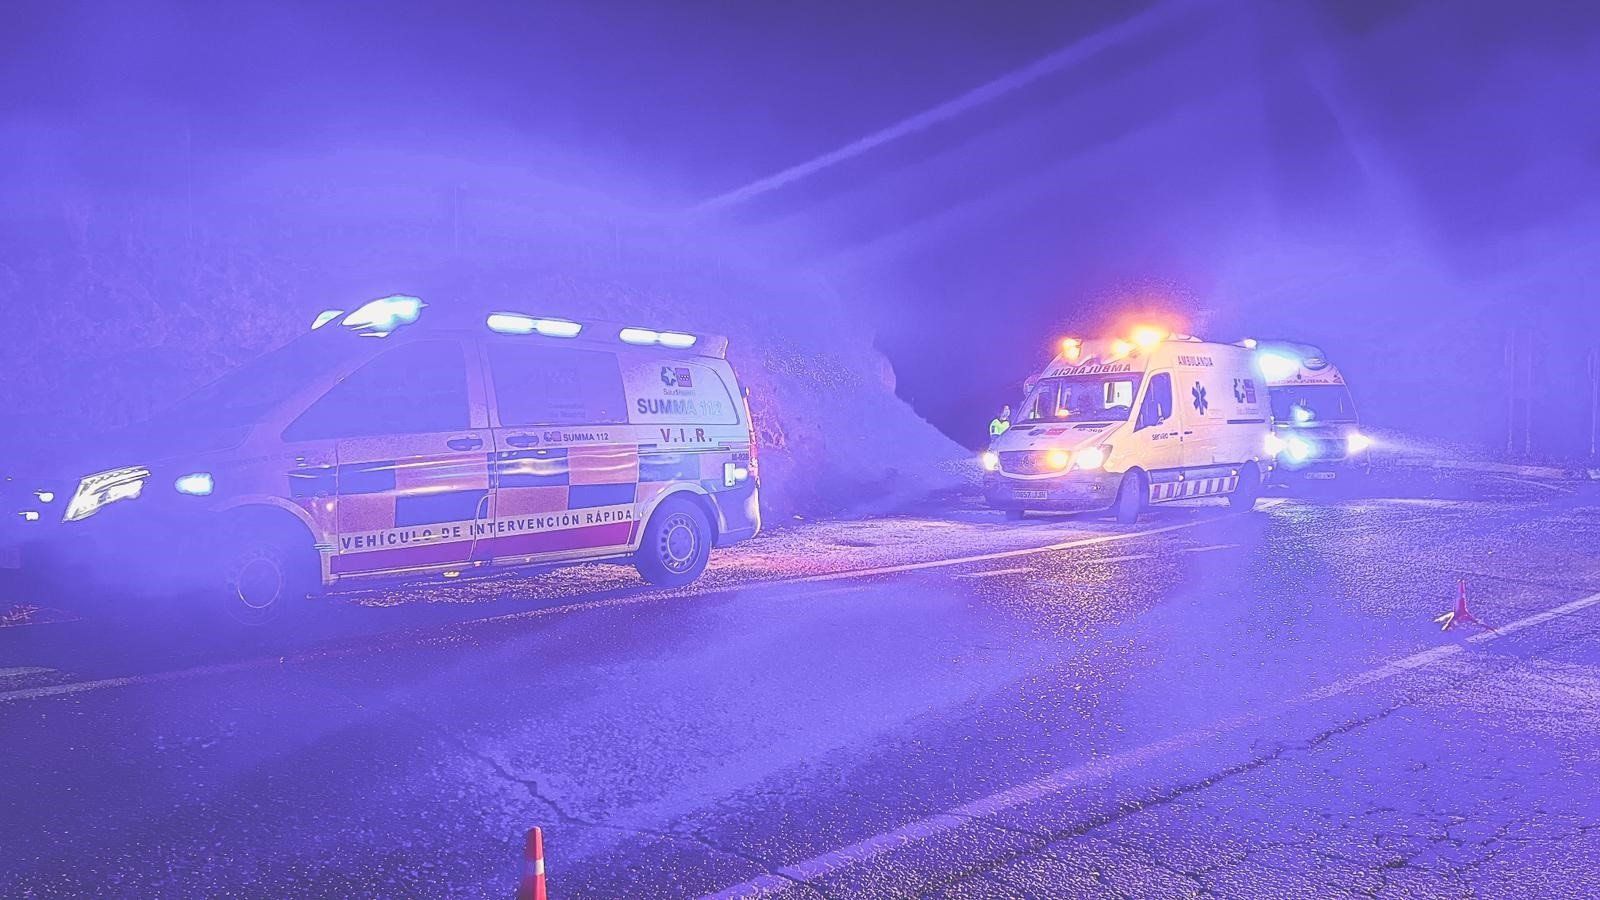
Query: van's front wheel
x=676 y=545
x=262 y=574
x=1131 y=497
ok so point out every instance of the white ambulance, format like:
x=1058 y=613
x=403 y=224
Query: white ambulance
x=1127 y=422
x=1316 y=431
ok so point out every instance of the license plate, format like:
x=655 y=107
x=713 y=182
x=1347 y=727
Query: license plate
x=1031 y=495
x=10 y=557
x=1322 y=476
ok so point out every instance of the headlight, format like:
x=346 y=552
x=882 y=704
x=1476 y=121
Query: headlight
x=1276 y=445
x=102 y=488
x=1057 y=458
x=990 y=460
x=1356 y=442
x=1092 y=458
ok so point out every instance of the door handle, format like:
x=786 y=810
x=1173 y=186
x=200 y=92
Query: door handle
x=464 y=443
x=522 y=440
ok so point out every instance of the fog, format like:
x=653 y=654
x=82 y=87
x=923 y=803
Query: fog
x=1406 y=185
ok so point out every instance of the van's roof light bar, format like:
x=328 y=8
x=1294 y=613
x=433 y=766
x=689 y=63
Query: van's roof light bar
x=517 y=323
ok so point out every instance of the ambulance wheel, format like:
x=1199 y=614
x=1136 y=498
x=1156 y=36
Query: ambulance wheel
x=1244 y=496
x=265 y=569
x=676 y=545
x=1130 y=497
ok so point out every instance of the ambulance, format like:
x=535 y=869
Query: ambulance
x=1316 y=431
x=1123 y=423
x=394 y=440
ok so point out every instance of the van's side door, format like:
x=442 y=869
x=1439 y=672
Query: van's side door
x=1159 y=436
x=412 y=447
x=566 y=470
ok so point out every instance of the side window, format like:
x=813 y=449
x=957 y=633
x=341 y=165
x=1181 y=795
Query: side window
x=1157 y=406
x=413 y=389
x=545 y=386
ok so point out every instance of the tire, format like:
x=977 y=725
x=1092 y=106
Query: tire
x=1016 y=515
x=1130 y=497
x=676 y=545
x=264 y=572
x=1244 y=496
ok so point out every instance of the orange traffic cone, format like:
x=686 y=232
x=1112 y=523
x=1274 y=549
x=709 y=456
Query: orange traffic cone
x=531 y=887
x=1460 y=615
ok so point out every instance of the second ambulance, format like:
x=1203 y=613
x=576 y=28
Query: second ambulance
x=1127 y=422
x=1316 y=433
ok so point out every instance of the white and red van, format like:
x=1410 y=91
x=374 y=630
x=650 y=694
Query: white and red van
x=394 y=440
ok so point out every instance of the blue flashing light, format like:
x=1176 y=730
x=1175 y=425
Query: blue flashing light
x=1299 y=449
x=195 y=484
x=385 y=314
x=1276 y=366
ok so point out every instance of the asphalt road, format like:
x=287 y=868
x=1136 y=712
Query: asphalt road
x=1205 y=704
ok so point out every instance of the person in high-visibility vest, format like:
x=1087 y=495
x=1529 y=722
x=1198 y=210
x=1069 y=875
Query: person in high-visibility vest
x=1000 y=423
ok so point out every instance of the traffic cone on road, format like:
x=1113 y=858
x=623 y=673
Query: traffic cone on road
x=531 y=887
x=1460 y=615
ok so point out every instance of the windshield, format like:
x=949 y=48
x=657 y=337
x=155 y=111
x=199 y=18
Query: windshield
x=245 y=394
x=1082 y=398
x=1305 y=404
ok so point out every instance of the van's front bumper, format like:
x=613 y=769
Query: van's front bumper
x=1074 y=491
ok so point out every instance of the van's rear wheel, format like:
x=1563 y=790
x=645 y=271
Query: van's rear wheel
x=262 y=573
x=1131 y=497
x=676 y=545
x=1244 y=496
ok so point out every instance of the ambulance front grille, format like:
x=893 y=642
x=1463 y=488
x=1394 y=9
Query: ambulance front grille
x=1024 y=462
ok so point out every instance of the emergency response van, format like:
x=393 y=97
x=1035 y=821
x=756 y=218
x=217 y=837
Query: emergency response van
x=1125 y=423
x=392 y=441
x=1316 y=431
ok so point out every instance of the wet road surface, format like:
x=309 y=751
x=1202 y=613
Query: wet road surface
x=1205 y=704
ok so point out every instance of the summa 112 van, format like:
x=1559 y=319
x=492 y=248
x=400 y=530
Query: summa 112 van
x=1316 y=430
x=1124 y=423
x=389 y=441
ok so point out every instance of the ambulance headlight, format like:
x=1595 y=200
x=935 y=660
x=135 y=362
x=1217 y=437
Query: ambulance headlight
x=103 y=488
x=990 y=460
x=1276 y=445
x=1057 y=458
x=1092 y=458
x=1357 y=442
x=1299 y=449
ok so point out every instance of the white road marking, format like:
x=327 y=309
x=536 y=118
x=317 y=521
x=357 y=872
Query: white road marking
x=20 y=671
x=1108 y=766
x=427 y=632
x=994 y=573
x=1208 y=548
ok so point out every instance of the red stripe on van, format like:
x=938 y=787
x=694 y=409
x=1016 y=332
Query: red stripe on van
x=611 y=534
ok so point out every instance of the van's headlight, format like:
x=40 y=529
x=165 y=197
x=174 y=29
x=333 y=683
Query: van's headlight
x=1092 y=458
x=990 y=460
x=1356 y=442
x=95 y=491
x=1057 y=458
